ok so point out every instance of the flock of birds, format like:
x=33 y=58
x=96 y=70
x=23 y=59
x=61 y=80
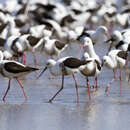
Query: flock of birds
x=51 y=27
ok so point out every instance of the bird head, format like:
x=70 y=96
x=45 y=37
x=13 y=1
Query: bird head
x=104 y=60
x=87 y=42
x=102 y=30
x=50 y=63
x=116 y=36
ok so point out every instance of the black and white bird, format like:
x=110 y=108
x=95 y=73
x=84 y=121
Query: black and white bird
x=53 y=47
x=13 y=70
x=62 y=67
x=116 y=59
x=91 y=69
x=119 y=40
x=95 y=60
x=17 y=46
x=89 y=48
x=95 y=35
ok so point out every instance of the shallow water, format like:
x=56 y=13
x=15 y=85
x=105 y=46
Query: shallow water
x=102 y=112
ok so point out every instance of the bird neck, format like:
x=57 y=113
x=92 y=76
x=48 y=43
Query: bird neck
x=90 y=50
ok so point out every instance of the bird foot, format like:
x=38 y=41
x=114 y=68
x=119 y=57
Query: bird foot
x=3 y=99
x=50 y=101
x=106 y=90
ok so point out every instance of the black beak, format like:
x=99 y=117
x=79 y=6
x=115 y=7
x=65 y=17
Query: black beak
x=42 y=72
x=109 y=48
x=102 y=63
x=110 y=40
x=128 y=49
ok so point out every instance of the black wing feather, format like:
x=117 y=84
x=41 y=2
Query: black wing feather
x=13 y=67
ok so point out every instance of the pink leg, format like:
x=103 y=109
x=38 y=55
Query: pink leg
x=96 y=83
x=6 y=90
x=129 y=78
x=120 y=81
x=80 y=49
x=114 y=72
x=126 y=62
x=26 y=98
x=50 y=77
x=108 y=85
x=35 y=60
x=109 y=29
x=62 y=86
x=87 y=81
x=126 y=66
x=24 y=58
x=76 y=86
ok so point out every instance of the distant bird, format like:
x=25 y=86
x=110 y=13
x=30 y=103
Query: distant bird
x=116 y=59
x=65 y=34
x=95 y=35
x=53 y=47
x=14 y=70
x=43 y=30
x=119 y=40
x=17 y=46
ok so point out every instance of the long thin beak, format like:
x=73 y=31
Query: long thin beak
x=108 y=40
x=109 y=48
x=42 y=72
x=102 y=64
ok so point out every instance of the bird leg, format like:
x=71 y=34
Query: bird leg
x=120 y=81
x=26 y=98
x=129 y=78
x=126 y=63
x=62 y=86
x=6 y=91
x=108 y=86
x=24 y=58
x=96 y=83
x=114 y=72
x=35 y=60
x=109 y=29
x=76 y=86
x=87 y=81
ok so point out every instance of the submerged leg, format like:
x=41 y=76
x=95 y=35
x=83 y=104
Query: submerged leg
x=76 y=86
x=62 y=86
x=6 y=91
